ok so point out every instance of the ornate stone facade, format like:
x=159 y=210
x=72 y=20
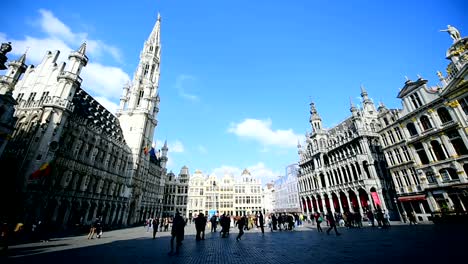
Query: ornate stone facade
x=343 y=169
x=70 y=160
x=286 y=195
x=225 y=195
x=176 y=192
x=426 y=142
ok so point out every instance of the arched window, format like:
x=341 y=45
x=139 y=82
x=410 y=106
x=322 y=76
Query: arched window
x=444 y=115
x=425 y=122
x=385 y=121
x=448 y=174
x=438 y=151
x=457 y=142
x=421 y=153
x=430 y=177
x=411 y=129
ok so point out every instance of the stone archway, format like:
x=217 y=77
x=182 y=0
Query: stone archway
x=353 y=200
x=336 y=202
x=344 y=202
x=375 y=198
x=364 y=197
x=320 y=204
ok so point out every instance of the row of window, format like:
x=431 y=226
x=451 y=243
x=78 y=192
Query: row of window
x=439 y=151
x=405 y=177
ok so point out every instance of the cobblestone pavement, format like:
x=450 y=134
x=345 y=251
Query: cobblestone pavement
x=399 y=244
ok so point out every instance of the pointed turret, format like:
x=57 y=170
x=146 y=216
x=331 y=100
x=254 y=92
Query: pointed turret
x=82 y=48
x=367 y=104
x=364 y=94
x=315 y=120
x=78 y=59
x=15 y=70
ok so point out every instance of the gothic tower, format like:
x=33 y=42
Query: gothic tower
x=315 y=120
x=139 y=105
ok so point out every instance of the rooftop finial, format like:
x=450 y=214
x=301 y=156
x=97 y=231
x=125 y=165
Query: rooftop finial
x=82 y=48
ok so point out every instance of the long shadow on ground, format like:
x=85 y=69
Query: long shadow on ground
x=399 y=244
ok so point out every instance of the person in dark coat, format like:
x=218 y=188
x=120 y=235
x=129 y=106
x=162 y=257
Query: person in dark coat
x=225 y=221
x=241 y=224
x=155 y=225
x=274 y=222
x=177 y=232
x=261 y=221
x=332 y=223
x=280 y=222
x=213 y=221
x=200 y=223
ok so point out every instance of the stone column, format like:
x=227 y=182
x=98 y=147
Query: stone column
x=85 y=217
x=359 y=203
x=349 y=203
x=341 y=206
x=432 y=202
x=324 y=204
x=332 y=207
x=66 y=216
x=56 y=211
x=382 y=200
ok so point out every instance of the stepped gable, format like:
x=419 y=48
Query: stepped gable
x=96 y=115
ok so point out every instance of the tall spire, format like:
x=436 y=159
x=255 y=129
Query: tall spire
x=315 y=119
x=82 y=48
x=352 y=107
x=364 y=95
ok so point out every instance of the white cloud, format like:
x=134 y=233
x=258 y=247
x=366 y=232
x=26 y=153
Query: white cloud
x=102 y=81
x=181 y=84
x=258 y=171
x=109 y=105
x=174 y=147
x=202 y=149
x=54 y=27
x=260 y=130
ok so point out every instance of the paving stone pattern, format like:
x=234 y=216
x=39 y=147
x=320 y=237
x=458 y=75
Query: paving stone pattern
x=399 y=244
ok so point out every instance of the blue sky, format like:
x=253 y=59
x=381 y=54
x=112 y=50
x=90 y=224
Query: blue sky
x=237 y=77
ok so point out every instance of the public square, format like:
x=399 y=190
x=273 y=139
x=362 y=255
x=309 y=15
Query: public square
x=424 y=243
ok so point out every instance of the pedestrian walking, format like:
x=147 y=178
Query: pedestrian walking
x=155 y=225
x=404 y=217
x=332 y=223
x=148 y=224
x=318 y=219
x=177 y=232
x=240 y=224
x=200 y=224
x=98 y=226
x=262 y=222
x=412 y=218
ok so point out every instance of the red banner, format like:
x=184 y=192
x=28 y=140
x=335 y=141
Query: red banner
x=376 y=198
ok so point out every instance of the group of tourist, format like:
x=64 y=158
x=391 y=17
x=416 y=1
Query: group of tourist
x=155 y=224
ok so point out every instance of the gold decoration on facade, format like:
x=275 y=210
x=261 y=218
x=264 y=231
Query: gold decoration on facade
x=453 y=103
x=430 y=111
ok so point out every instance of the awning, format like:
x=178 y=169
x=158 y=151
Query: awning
x=412 y=198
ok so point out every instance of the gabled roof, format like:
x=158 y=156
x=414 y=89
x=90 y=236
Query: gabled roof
x=411 y=86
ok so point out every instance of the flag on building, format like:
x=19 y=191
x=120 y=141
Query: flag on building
x=42 y=172
x=146 y=150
